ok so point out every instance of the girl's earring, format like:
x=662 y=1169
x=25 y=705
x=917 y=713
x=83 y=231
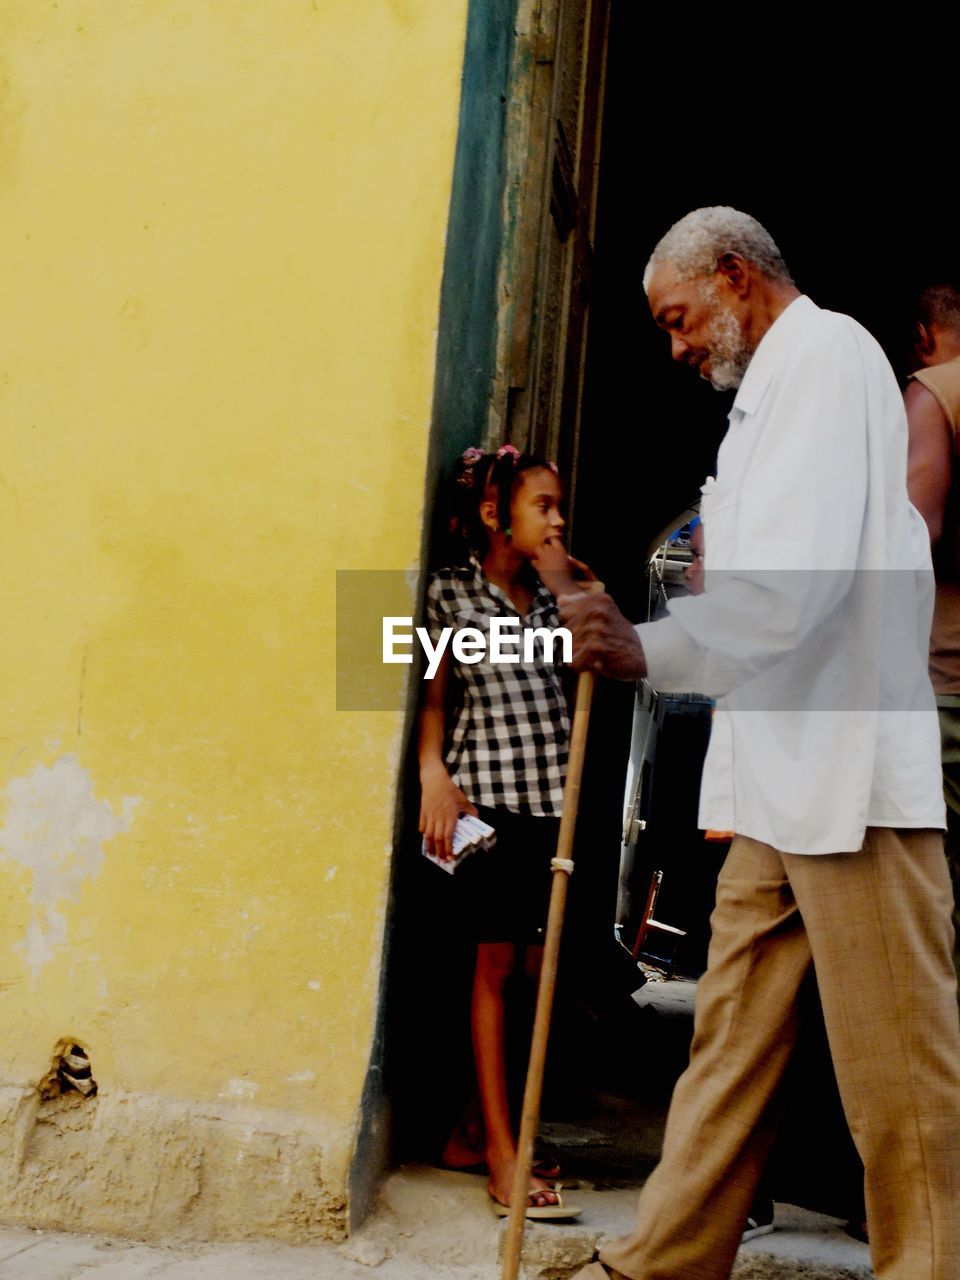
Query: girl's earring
x=507 y=533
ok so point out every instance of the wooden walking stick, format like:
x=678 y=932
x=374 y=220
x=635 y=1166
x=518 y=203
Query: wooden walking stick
x=562 y=866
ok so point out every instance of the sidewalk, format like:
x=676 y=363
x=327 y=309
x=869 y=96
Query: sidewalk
x=429 y=1224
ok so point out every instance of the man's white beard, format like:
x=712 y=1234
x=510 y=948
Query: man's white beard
x=730 y=352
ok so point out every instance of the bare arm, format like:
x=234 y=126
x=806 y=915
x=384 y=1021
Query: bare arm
x=929 y=456
x=432 y=718
x=441 y=801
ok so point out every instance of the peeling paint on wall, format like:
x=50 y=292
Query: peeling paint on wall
x=57 y=828
x=240 y=1089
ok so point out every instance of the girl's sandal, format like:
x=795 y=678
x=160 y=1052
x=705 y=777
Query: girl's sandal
x=558 y=1212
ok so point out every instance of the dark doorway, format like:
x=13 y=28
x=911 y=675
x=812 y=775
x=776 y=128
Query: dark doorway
x=841 y=169
x=826 y=163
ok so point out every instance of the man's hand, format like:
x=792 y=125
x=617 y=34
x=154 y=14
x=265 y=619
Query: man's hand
x=603 y=639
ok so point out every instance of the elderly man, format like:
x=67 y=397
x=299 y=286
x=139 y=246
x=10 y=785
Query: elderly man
x=824 y=759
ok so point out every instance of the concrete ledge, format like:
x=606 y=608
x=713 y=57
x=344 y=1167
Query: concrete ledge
x=442 y=1225
x=158 y=1169
x=427 y=1224
x=805 y=1246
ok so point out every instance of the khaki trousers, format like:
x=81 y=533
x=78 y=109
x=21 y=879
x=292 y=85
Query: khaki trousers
x=876 y=926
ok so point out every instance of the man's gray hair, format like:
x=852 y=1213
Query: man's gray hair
x=699 y=240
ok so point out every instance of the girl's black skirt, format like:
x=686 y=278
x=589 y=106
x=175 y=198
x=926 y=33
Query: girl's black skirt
x=503 y=893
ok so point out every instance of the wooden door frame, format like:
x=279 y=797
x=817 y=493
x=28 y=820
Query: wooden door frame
x=551 y=185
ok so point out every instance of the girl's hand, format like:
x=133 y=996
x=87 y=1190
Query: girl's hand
x=559 y=571
x=441 y=804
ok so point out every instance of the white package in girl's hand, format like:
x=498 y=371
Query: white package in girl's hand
x=469 y=835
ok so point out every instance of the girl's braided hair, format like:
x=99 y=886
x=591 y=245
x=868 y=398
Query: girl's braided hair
x=474 y=476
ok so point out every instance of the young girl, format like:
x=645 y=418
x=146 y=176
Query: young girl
x=493 y=743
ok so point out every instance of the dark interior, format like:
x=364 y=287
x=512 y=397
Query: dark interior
x=830 y=161
x=844 y=165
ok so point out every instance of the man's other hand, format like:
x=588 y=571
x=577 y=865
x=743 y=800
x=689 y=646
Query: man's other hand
x=603 y=640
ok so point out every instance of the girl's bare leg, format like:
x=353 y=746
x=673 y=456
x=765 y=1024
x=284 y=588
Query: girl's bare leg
x=495 y=963
x=532 y=961
x=467 y=1146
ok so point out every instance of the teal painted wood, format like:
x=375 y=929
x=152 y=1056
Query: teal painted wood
x=465 y=365
x=468 y=300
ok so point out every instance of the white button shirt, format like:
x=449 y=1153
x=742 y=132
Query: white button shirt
x=813 y=628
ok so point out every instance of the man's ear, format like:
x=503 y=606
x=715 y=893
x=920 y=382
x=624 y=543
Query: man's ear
x=924 y=343
x=733 y=268
x=488 y=514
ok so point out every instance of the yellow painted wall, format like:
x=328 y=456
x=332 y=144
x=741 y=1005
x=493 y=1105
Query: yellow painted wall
x=221 y=234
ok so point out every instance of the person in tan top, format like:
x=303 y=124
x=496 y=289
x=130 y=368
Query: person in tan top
x=932 y=400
